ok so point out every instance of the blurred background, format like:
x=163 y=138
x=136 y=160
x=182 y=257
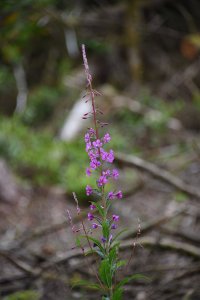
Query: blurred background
x=145 y=60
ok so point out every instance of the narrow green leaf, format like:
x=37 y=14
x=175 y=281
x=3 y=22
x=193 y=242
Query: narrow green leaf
x=117 y=295
x=120 y=263
x=105 y=273
x=108 y=205
x=106 y=229
x=87 y=284
x=95 y=241
x=98 y=252
x=112 y=254
x=118 y=234
x=99 y=208
x=129 y=278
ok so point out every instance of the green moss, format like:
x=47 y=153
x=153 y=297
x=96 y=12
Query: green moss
x=180 y=197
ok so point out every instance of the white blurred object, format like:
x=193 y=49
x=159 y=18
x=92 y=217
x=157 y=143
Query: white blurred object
x=21 y=84
x=71 y=42
x=74 y=122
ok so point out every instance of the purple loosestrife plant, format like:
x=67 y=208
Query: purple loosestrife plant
x=107 y=245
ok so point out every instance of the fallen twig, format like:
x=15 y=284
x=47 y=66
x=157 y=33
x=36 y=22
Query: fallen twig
x=40 y=232
x=189 y=237
x=22 y=266
x=163 y=243
x=153 y=224
x=155 y=171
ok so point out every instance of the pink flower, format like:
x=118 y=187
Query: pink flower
x=107 y=156
x=88 y=146
x=95 y=225
x=88 y=172
x=104 y=154
x=115 y=174
x=102 y=180
x=115 y=218
x=91 y=131
x=87 y=138
x=106 y=173
x=97 y=144
x=93 y=154
x=92 y=207
x=119 y=195
x=106 y=138
x=110 y=238
x=90 y=217
x=113 y=226
x=94 y=164
x=103 y=239
x=111 y=195
x=110 y=156
x=88 y=190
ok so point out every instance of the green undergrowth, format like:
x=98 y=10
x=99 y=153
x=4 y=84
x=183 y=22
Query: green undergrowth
x=39 y=158
x=151 y=127
x=41 y=105
x=23 y=295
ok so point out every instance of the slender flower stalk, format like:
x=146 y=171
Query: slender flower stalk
x=106 y=244
x=99 y=161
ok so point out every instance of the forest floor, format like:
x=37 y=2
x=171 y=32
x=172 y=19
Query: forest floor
x=37 y=243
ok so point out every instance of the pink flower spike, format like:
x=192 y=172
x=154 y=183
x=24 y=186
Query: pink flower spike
x=92 y=207
x=119 y=195
x=115 y=218
x=90 y=217
x=88 y=190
